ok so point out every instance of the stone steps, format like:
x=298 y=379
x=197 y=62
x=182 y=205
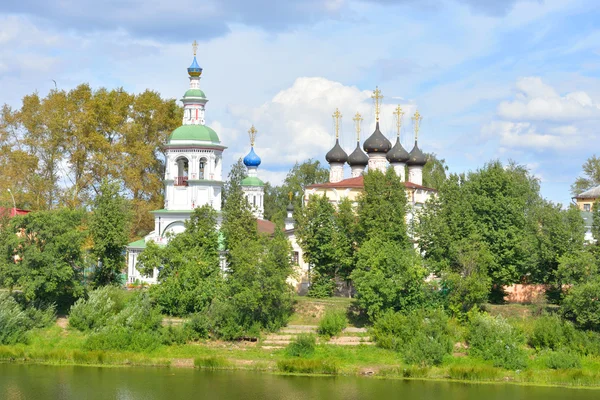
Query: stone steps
x=350 y=336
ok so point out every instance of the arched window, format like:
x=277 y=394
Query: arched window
x=182 y=171
x=202 y=165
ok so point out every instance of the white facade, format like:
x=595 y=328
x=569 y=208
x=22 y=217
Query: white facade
x=400 y=170
x=415 y=174
x=336 y=172
x=377 y=161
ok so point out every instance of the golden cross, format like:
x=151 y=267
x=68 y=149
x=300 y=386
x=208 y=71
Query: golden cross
x=195 y=47
x=398 y=113
x=252 y=133
x=377 y=98
x=337 y=115
x=417 y=120
x=357 y=120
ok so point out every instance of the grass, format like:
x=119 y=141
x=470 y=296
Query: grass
x=60 y=346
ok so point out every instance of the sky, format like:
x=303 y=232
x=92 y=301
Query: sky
x=493 y=79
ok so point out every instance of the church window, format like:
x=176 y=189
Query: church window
x=295 y=258
x=182 y=171
x=202 y=167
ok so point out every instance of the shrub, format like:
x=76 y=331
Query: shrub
x=332 y=323
x=94 y=312
x=302 y=346
x=197 y=326
x=16 y=321
x=303 y=366
x=551 y=332
x=561 y=360
x=423 y=336
x=174 y=335
x=494 y=339
x=473 y=373
x=581 y=305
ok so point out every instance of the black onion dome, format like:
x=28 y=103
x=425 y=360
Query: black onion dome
x=337 y=154
x=358 y=157
x=377 y=143
x=290 y=207
x=416 y=156
x=397 y=154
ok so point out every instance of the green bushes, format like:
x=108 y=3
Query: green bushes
x=494 y=339
x=212 y=362
x=561 y=360
x=581 y=305
x=303 y=366
x=551 y=332
x=16 y=321
x=422 y=337
x=302 y=346
x=332 y=323
x=95 y=311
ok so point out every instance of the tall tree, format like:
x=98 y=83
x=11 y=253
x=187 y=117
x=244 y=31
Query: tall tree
x=590 y=178
x=109 y=229
x=434 y=171
x=237 y=173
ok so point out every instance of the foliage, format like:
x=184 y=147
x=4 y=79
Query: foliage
x=388 y=275
x=496 y=340
x=298 y=178
x=303 y=366
x=212 y=362
x=434 y=171
x=581 y=305
x=332 y=323
x=94 y=312
x=190 y=275
x=561 y=360
x=237 y=173
x=423 y=337
x=102 y=134
x=303 y=345
x=45 y=256
x=551 y=332
x=109 y=229
x=16 y=321
x=591 y=178
x=577 y=267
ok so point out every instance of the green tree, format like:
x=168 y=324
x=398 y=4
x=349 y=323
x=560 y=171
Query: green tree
x=388 y=276
x=43 y=256
x=189 y=273
x=591 y=178
x=109 y=229
x=237 y=173
x=434 y=171
x=581 y=305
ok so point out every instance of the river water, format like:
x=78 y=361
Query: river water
x=37 y=382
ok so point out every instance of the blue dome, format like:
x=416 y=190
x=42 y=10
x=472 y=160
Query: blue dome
x=252 y=160
x=194 y=69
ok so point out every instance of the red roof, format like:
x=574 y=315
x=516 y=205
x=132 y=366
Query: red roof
x=264 y=226
x=359 y=183
x=11 y=212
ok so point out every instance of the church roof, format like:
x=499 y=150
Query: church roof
x=359 y=183
x=252 y=159
x=416 y=156
x=264 y=226
x=252 y=181
x=358 y=157
x=377 y=142
x=336 y=154
x=592 y=193
x=397 y=154
x=194 y=93
x=194 y=69
x=199 y=133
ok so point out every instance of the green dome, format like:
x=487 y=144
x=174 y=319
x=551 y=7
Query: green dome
x=194 y=93
x=200 y=133
x=252 y=181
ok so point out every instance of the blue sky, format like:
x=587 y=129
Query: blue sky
x=503 y=79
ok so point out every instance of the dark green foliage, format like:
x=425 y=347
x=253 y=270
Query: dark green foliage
x=237 y=173
x=190 y=276
x=577 y=267
x=321 y=286
x=388 y=275
x=303 y=345
x=581 y=305
x=109 y=230
x=49 y=245
x=16 y=321
x=434 y=172
x=198 y=326
x=303 y=366
x=591 y=178
x=332 y=323
x=495 y=339
x=561 y=360
x=422 y=337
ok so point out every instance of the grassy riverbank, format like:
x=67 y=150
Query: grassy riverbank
x=61 y=345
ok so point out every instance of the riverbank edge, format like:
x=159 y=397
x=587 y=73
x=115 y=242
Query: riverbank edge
x=230 y=364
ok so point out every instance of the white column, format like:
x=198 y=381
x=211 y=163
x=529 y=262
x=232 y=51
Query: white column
x=415 y=174
x=399 y=168
x=336 y=172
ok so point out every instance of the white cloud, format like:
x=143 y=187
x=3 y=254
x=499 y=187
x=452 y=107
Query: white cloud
x=539 y=101
x=296 y=124
x=525 y=135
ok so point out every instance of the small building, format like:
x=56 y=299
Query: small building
x=585 y=200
